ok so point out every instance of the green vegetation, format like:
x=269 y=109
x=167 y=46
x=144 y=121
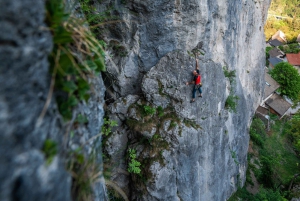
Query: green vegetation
x=272 y=162
x=93 y=17
x=288 y=78
x=76 y=55
x=160 y=111
x=285 y=8
x=257 y=132
x=148 y=110
x=149 y=128
x=231 y=103
x=294 y=131
x=290 y=48
x=268 y=55
x=263 y=195
x=234 y=157
x=107 y=126
x=290 y=24
x=133 y=165
x=50 y=150
x=229 y=74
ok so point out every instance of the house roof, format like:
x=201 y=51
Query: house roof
x=262 y=110
x=278 y=104
x=270 y=86
x=275 y=42
x=293 y=59
x=279 y=35
x=275 y=52
x=275 y=61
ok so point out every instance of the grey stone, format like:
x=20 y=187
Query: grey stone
x=24 y=85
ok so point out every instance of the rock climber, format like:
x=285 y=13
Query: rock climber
x=196 y=81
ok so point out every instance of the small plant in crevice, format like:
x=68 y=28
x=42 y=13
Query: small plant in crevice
x=234 y=157
x=133 y=165
x=229 y=74
x=50 y=150
x=160 y=111
x=107 y=126
x=231 y=103
x=148 y=110
x=94 y=17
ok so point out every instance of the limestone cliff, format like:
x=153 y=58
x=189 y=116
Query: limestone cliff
x=188 y=151
x=207 y=161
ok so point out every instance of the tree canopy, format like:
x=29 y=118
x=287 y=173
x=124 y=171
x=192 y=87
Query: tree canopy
x=288 y=78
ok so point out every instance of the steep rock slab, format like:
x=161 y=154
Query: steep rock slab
x=228 y=34
x=231 y=33
x=205 y=157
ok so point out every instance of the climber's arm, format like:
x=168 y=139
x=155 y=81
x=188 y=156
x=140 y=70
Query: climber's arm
x=188 y=83
x=197 y=65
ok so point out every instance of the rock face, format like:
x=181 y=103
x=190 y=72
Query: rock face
x=193 y=163
x=187 y=151
x=25 y=172
x=25 y=81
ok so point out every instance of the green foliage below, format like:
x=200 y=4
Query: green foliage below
x=133 y=165
x=290 y=25
x=288 y=78
x=272 y=161
x=263 y=195
x=293 y=131
x=257 y=132
x=290 y=48
x=285 y=7
x=76 y=55
x=50 y=150
x=231 y=103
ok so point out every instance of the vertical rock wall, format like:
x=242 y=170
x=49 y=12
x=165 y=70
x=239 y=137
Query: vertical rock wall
x=25 y=174
x=24 y=84
x=206 y=163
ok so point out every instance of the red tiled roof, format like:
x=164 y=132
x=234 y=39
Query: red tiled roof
x=293 y=59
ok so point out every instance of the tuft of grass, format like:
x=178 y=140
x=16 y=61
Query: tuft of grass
x=76 y=55
x=231 y=103
x=50 y=150
x=229 y=74
x=160 y=111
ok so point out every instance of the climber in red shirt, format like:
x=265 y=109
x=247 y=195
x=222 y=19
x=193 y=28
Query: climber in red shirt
x=196 y=81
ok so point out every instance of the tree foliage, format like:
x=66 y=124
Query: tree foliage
x=289 y=24
x=290 y=48
x=288 y=78
x=294 y=131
